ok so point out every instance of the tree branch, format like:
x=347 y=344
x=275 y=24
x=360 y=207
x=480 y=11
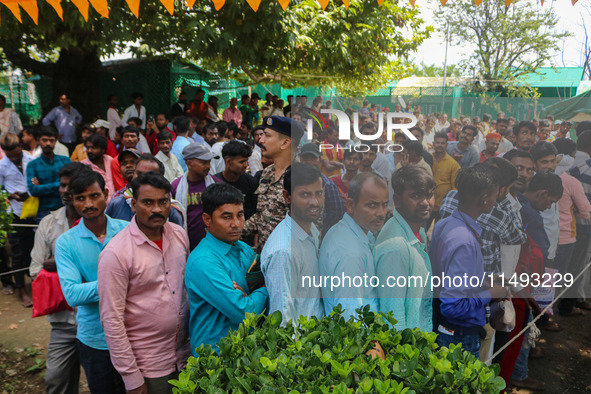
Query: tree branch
x=22 y=60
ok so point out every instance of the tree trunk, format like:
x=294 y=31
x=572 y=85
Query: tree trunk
x=78 y=73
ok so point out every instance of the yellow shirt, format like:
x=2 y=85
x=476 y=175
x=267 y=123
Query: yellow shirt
x=444 y=174
x=324 y=156
x=79 y=153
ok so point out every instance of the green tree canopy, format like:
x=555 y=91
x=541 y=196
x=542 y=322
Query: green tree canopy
x=511 y=41
x=355 y=49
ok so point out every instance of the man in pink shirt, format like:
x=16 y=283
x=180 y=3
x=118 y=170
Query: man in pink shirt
x=144 y=306
x=96 y=147
x=232 y=114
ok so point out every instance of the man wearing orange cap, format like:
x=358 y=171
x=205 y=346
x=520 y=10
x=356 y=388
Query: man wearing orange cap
x=492 y=144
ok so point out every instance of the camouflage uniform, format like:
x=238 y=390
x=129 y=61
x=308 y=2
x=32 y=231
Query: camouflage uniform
x=271 y=207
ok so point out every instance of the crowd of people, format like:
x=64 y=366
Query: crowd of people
x=166 y=229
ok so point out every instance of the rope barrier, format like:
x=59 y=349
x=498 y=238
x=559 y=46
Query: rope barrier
x=12 y=272
x=537 y=317
x=24 y=225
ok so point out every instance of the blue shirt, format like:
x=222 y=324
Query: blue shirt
x=118 y=208
x=76 y=256
x=470 y=158
x=177 y=149
x=455 y=251
x=46 y=173
x=215 y=306
x=334 y=209
x=197 y=138
x=346 y=251
x=534 y=224
x=289 y=255
x=64 y=122
x=399 y=253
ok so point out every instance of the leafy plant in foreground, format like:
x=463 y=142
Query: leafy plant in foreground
x=329 y=356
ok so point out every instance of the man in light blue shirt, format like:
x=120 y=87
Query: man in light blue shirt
x=215 y=277
x=400 y=251
x=182 y=139
x=290 y=255
x=462 y=150
x=346 y=252
x=65 y=118
x=76 y=257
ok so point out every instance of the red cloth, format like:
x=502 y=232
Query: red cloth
x=48 y=297
x=330 y=153
x=111 y=149
x=153 y=140
x=159 y=243
x=198 y=110
x=512 y=352
x=118 y=180
x=483 y=156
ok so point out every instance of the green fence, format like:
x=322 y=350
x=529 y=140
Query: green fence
x=22 y=96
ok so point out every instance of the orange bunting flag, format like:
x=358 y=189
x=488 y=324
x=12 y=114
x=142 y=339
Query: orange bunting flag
x=101 y=7
x=380 y=2
x=443 y=2
x=254 y=4
x=30 y=7
x=57 y=6
x=508 y=3
x=82 y=6
x=169 y=5
x=134 y=6
x=323 y=3
x=575 y=2
x=285 y=3
x=478 y=2
x=13 y=7
x=412 y=2
x=346 y=3
x=190 y=3
x=218 y=4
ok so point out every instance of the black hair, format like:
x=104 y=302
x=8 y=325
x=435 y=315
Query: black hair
x=356 y=184
x=136 y=120
x=367 y=125
x=440 y=134
x=236 y=148
x=218 y=194
x=47 y=131
x=582 y=127
x=136 y=95
x=164 y=135
x=98 y=141
x=87 y=126
x=153 y=159
x=234 y=127
x=470 y=127
x=546 y=180
x=72 y=168
x=352 y=152
x=183 y=92
x=210 y=126
x=300 y=174
x=413 y=146
x=513 y=153
x=471 y=182
x=165 y=115
x=413 y=176
x=247 y=125
x=505 y=171
x=417 y=128
x=2 y=98
x=486 y=117
x=9 y=141
x=199 y=90
x=83 y=179
x=222 y=127
x=130 y=129
x=32 y=131
x=109 y=97
x=502 y=120
x=542 y=149
x=244 y=96
x=151 y=178
x=565 y=146
x=524 y=124
x=584 y=141
x=182 y=124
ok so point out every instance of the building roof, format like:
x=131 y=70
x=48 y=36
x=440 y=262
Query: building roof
x=549 y=77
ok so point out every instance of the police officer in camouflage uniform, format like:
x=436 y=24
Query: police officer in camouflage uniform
x=280 y=139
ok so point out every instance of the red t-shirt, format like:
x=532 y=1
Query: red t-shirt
x=159 y=243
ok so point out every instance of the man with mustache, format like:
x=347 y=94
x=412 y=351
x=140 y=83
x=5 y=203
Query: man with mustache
x=62 y=373
x=462 y=150
x=76 y=256
x=347 y=247
x=144 y=307
x=401 y=249
x=120 y=207
x=42 y=179
x=96 y=147
x=525 y=135
x=291 y=252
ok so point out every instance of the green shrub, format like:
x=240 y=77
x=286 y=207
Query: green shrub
x=329 y=356
x=5 y=218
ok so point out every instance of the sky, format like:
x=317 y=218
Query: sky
x=432 y=51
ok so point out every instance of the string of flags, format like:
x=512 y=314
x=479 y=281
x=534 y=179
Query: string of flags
x=101 y=6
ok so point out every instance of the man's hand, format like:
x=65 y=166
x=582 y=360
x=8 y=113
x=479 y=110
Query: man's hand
x=143 y=389
x=530 y=302
x=457 y=157
x=151 y=126
x=404 y=159
x=497 y=292
x=35 y=181
x=49 y=265
x=18 y=196
x=237 y=287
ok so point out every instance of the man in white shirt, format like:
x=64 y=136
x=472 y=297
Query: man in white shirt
x=255 y=160
x=9 y=120
x=113 y=116
x=172 y=168
x=136 y=110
